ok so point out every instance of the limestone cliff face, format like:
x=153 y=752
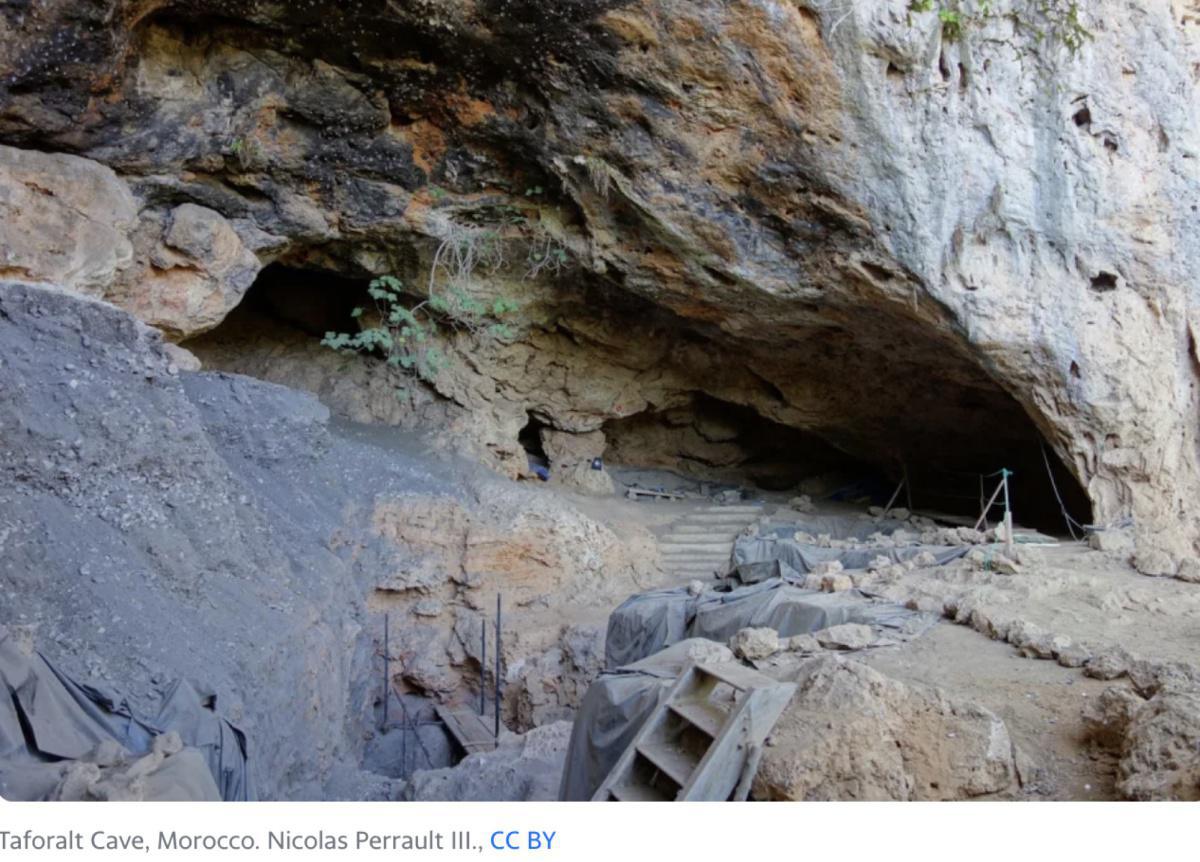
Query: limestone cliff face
x=918 y=245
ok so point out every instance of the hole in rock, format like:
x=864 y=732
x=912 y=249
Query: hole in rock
x=275 y=331
x=949 y=473
x=313 y=301
x=1104 y=281
x=710 y=439
x=530 y=438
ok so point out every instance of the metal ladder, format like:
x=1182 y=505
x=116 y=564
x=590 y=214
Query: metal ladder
x=703 y=741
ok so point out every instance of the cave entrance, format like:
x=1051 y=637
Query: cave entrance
x=948 y=474
x=713 y=440
x=865 y=405
x=1044 y=493
x=275 y=332
x=530 y=438
x=313 y=301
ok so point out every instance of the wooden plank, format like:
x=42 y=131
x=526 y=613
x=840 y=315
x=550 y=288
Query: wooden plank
x=469 y=730
x=638 y=793
x=721 y=770
x=676 y=763
x=736 y=675
x=702 y=714
x=636 y=493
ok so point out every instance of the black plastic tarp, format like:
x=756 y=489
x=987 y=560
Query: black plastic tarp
x=47 y=717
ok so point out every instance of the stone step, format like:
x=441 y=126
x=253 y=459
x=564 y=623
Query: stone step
x=697 y=546
x=708 y=538
x=724 y=513
x=757 y=510
x=702 y=529
x=718 y=523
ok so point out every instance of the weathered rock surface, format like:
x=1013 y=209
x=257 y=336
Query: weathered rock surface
x=852 y=733
x=1161 y=751
x=550 y=687
x=158 y=525
x=64 y=220
x=758 y=202
x=525 y=768
x=1158 y=740
x=756 y=643
x=848 y=636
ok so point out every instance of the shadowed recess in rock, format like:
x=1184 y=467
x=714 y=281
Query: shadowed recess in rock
x=854 y=407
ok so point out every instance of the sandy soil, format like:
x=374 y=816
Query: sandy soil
x=1040 y=702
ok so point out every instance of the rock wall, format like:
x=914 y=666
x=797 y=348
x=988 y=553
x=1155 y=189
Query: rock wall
x=918 y=244
x=157 y=524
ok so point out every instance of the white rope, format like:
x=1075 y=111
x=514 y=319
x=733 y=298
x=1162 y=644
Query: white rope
x=1061 y=505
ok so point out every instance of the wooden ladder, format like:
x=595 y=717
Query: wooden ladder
x=699 y=743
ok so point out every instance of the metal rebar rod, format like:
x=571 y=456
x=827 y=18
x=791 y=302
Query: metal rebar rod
x=499 y=635
x=387 y=683
x=482 y=666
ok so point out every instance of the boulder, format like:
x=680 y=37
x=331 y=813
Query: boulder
x=566 y=449
x=852 y=733
x=1160 y=757
x=1189 y=570
x=1155 y=563
x=523 y=769
x=200 y=268
x=586 y=480
x=848 y=636
x=64 y=220
x=756 y=643
x=1109 y=663
x=1075 y=655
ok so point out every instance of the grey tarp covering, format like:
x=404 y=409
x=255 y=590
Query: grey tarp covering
x=836 y=527
x=46 y=717
x=613 y=710
x=751 y=554
x=647 y=623
x=792 y=610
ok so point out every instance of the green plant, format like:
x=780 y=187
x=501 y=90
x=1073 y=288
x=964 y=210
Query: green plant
x=1052 y=21
x=403 y=333
x=243 y=152
x=1061 y=21
x=403 y=325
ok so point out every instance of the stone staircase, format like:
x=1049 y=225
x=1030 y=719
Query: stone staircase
x=701 y=543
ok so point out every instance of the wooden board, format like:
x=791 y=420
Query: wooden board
x=700 y=744
x=636 y=493
x=470 y=730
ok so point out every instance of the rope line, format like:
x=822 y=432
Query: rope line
x=1071 y=522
